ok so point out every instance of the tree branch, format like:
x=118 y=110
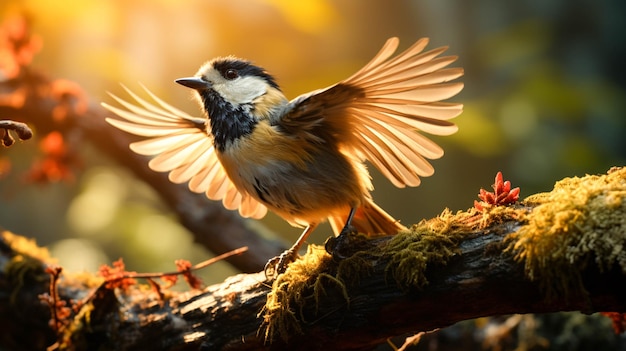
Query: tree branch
x=444 y=270
x=22 y=130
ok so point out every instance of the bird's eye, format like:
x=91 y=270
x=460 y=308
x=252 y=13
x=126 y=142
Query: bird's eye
x=231 y=74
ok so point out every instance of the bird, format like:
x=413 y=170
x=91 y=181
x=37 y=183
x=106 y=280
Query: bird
x=305 y=158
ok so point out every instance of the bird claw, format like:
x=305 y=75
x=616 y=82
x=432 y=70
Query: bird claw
x=278 y=265
x=338 y=247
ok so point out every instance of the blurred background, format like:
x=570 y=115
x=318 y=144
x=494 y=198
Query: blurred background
x=544 y=99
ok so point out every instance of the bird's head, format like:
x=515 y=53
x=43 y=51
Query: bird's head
x=234 y=84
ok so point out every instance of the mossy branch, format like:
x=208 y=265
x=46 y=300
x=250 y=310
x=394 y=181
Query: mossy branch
x=531 y=258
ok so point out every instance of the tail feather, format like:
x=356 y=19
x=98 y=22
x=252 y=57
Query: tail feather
x=369 y=219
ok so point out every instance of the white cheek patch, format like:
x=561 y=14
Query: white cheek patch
x=242 y=90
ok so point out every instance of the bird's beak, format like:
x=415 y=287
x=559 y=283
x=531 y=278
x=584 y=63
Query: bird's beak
x=194 y=83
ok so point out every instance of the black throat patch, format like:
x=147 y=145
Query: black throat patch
x=228 y=123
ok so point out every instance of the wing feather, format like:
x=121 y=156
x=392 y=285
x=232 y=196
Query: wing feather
x=387 y=50
x=395 y=160
x=436 y=110
x=408 y=141
x=180 y=156
x=373 y=154
x=157 y=145
x=201 y=180
x=232 y=199
x=381 y=109
x=147 y=115
x=191 y=170
x=173 y=110
x=426 y=93
x=400 y=119
x=397 y=149
x=407 y=80
x=220 y=187
x=182 y=146
x=143 y=130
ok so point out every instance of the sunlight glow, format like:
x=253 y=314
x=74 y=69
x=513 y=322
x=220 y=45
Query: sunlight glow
x=78 y=255
x=160 y=234
x=95 y=207
x=311 y=16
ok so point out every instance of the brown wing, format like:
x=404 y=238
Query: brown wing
x=378 y=112
x=183 y=147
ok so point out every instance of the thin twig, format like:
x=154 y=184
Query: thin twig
x=21 y=129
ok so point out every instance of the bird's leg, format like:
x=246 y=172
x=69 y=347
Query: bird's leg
x=348 y=228
x=278 y=264
x=336 y=245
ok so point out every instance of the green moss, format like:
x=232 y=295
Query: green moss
x=435 y=241
x=25 y=246
x=27 y=262
x=300 y=284
x=429 y=242
x=409 y=254
x=581 y=221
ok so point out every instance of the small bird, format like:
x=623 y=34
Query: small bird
x=304 y=159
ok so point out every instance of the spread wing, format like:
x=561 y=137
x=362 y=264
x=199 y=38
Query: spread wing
x=183 y=147
x=381 y=109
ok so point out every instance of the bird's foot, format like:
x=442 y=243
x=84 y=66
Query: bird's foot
x=278 y=265
x=340 y=246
